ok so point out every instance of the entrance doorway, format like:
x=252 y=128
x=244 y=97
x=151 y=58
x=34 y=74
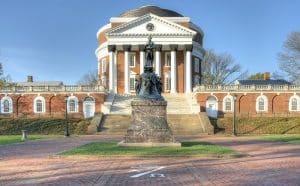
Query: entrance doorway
x=212 y=106
x=88 y=107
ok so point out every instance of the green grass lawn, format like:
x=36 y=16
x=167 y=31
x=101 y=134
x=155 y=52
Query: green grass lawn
x=187 y=148
x=291 y=138
x=8 y=139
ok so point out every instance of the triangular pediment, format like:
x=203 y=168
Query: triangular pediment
x=150 y=24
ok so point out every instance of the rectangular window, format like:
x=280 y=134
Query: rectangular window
x=132 y=59
x=99 y=68
x=132 y=84
x=6 y=106
x=196 y=65
x=103 y=65
x=168 y=59
x=39 y=106
x=228 y=105
x=261 y=105
x=168 y=84
x=294 y=104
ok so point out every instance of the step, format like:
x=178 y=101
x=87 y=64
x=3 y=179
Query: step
x=180 y=124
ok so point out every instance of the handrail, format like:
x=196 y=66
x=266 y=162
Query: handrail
x=62 y=88
x=226 y=88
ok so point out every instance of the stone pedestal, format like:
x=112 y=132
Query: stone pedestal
x=149 y=125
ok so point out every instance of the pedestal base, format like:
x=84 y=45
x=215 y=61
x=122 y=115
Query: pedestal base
x=123 y=144
x=149 y=125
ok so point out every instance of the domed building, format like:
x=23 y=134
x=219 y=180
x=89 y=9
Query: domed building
x=177 y=58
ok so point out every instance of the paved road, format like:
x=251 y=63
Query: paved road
x=35 y=163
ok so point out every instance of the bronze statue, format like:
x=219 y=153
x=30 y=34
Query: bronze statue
x=149 y=52
x=149 y=85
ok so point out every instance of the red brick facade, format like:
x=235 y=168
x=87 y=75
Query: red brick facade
x=277 y=104
x=23 y=105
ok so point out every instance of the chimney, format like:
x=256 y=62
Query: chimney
x=29 y=79
x=267 y=76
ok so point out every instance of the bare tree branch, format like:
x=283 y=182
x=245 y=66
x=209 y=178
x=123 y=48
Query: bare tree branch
x=219 y=69
x=90 y=78
x=289 y=59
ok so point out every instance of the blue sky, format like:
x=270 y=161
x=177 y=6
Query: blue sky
x=56 y=39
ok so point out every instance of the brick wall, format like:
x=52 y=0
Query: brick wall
x=278 y=104
x=54 y=104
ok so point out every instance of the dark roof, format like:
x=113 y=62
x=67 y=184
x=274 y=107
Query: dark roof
x=150 y=9
x=264 y=82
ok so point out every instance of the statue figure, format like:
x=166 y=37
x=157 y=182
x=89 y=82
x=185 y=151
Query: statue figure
x=149 y=85
x=149 y=52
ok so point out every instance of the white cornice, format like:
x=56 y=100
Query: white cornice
x=128 y=19
x=116 y=31
x=101 y=51
x=105 y=27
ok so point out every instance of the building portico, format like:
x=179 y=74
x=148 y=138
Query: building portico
x=121 y=47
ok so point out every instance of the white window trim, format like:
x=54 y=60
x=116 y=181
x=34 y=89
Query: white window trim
x=103 y=65
x=231 y=101
x=134 y=61
x=10 y=104
x=196 y=65
x=43 y=104
x=76 y=104
x=265 y=103
x=298 y=103
x=215 y=102
x=84 y=103
x=166 y=54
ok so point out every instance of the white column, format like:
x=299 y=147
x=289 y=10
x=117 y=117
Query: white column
x=116 y=72
x=111 y=70
x=157 y=63
x=142 y=61
x=126 y=74
x=173 y=72
x=188 y=72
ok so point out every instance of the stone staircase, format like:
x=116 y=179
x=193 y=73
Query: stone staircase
x=183 y=115
x=121 y=104
x=114 y=124
x=180 y=124
x=177 y=104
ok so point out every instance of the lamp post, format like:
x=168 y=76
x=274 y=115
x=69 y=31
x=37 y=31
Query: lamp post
x=66 y=133
x=234 y=116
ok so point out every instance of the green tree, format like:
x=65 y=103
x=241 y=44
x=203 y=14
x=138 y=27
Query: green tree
x=289 y=58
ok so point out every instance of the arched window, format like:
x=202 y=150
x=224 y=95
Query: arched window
x=6 y=105
x=39 y=104
x=262 y=104
x=72 y=105
x=228 y=103
x=294 y=103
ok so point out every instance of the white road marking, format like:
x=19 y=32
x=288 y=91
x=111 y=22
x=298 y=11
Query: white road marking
x=148 y=172
x=157 y=175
